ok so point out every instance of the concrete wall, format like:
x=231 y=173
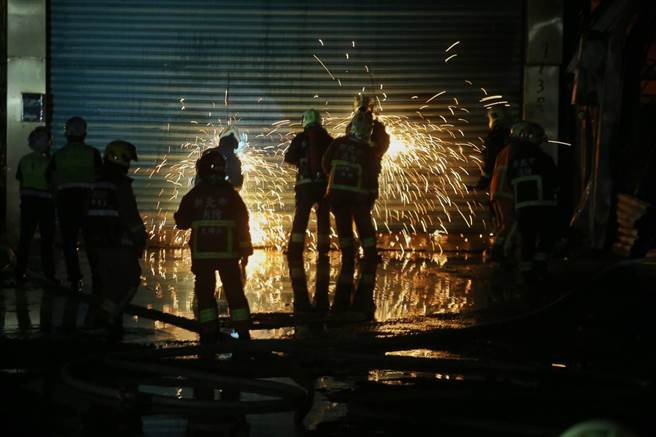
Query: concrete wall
x=543 y=56
x=26 y=73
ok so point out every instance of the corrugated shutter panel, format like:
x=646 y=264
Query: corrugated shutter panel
x=156 y=72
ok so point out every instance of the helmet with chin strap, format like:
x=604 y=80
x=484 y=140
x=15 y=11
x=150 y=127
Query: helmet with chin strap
x=362 y=125
x=211 y=166
x=120 y=152
x=527 y=132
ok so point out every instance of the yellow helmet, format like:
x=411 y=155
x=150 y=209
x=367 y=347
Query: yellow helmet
x=311 y=116
x=120 y=152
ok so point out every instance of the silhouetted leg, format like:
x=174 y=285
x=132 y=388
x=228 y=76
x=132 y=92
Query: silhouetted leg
x=323 y=225
x=204 y=287
x=69 y=224
x=28 y=221
x=299 y=285
x=47 y=230
x=366 y=231
x=344 y=287
x=323 y=280
x=344 y=224
x=240 y=313
x=363 y=300
x=528 y=228
x=299 y=226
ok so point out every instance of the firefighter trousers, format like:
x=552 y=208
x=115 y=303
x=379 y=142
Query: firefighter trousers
x=72 y=206
x=119 y=272
x=307 y=197
x=536 y=226
x=36 y=211
x=345 y=214
x=205 y=287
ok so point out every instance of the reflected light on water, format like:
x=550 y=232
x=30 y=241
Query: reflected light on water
x=408 y=285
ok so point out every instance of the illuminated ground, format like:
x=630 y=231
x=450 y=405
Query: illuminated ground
x=413 y=289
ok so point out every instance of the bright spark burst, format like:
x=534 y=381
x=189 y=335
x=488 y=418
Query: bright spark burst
x=422 y=184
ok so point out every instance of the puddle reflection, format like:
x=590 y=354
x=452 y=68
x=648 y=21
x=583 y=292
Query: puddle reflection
x=404 y=285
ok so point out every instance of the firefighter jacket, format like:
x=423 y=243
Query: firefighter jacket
x=306 y=152
x=351 y=167
x=218 y=219
x=33 y=176
x=499 y=185
x=113 y=218
x=76 y=165
x=380 y=142
x=533 y=177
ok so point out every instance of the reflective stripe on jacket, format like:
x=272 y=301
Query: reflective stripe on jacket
x=218 y=220
x=349 y=165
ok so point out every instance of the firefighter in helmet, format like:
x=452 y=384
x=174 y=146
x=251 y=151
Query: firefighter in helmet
x=305 y=153
x=220 y=237
x=37 y=207
x=534 y=179
x=228 y=144
x=380 y=141
x=351 y=172
x=74 y=169
x=499 y=123
x=116 y=235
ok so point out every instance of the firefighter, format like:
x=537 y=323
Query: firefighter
x=533 y=177
x=499 y=122
x=305 y=153
x=502 y=201
x=116 y=234
x=220 y=237
x=74 y=169
x=380 y=141
x=37 y=207
x=228 y=143
x=351 y=171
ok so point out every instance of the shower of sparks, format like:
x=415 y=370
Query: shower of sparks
x=485 y=99
x=559 y=142
x=423 y=184
x=452 y=46
x=501 y=102
x=435 y=96
x=324 y=66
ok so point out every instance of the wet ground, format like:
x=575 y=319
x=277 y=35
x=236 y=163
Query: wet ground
x=409 y=286
x=447 y=329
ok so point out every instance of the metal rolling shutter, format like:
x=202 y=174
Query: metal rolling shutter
x=126 y=66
